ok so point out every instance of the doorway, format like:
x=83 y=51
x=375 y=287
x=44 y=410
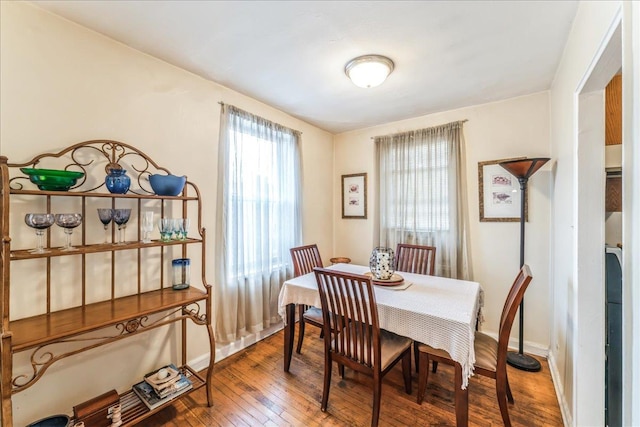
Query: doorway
x=589 y=241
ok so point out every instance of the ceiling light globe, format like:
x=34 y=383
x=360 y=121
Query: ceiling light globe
x=369 y=70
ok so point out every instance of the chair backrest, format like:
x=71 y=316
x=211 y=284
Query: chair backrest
x=305 y=258
x=415 y=259
x=514 y=298
x=349 y=306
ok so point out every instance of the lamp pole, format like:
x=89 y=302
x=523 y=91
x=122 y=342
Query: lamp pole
x=522 y=169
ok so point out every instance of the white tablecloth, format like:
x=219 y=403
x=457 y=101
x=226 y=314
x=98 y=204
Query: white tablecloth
x=437 y=311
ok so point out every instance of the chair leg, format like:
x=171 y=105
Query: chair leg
x=501 y=393
x=434 y=365
x=406 y=371
x=341 y=370
x=327 y=382
x=377 y=390
x=300 y=327
x=423 y=376
x=509 y=395
x=416 y=355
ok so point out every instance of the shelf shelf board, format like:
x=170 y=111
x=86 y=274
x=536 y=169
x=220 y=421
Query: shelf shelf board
x=135 y=411
x=48 y=328
x=96 y=194
x=104 y=247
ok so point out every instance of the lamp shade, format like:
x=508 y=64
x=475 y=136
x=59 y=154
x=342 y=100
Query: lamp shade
x=524 y=168
x=369 y=70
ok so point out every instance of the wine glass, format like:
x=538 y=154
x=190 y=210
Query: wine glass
x=120 y=217
x=39 y=221
x=106 y=215
x=68 y=221
x=147 y=226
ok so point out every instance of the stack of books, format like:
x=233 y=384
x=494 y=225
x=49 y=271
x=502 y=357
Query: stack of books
x=161 y=386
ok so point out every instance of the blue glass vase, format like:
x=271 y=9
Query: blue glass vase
x=117 y=181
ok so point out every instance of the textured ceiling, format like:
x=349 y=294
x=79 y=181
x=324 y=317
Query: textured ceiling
x=291 y=54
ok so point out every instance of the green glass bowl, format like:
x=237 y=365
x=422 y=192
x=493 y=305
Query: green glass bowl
x=52 y=179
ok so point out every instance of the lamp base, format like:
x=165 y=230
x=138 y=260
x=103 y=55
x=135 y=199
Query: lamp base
x=523 y=362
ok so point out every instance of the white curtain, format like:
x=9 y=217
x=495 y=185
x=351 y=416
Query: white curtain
x=258 y=220
x=422 y=194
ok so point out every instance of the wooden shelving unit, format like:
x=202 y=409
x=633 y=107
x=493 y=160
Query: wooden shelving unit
x=90 y=325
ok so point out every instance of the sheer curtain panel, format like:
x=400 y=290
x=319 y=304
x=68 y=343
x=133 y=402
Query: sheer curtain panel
x=258 y=220
x=422 y=194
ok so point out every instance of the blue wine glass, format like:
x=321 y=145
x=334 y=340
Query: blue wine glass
x=106 y=216
x=121 y=217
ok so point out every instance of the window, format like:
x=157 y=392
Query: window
x=259 y=193
x=422 y=174
x=422 y=194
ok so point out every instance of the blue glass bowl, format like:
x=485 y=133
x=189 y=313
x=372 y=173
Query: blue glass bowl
x=167 y=185
x=52 y=421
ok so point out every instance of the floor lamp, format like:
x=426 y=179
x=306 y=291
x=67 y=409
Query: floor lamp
x=523 y=169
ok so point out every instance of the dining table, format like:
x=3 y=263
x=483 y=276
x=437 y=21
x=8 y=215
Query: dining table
x=438 y=311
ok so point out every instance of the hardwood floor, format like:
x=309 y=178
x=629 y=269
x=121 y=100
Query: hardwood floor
x=251 y=389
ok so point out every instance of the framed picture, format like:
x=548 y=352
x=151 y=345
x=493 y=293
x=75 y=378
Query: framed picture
x=354 y=196
x=499 y=193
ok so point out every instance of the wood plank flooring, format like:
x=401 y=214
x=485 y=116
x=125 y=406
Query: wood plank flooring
x=251 y=389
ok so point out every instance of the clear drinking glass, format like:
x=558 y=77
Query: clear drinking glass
x=185 y=228
x=165 y=225
x=121 y=217
x=177 y=229
x=40 y=222
x=68 y=221
x=147 y=226
x=106 y=215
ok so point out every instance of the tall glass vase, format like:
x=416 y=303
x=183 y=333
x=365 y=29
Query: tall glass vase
x=382 y=263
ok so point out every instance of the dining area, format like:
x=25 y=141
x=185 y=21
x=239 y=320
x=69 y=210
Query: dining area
x=395 y=311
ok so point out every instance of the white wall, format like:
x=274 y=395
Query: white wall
x=576 y=365
x=511 y=128
x=62 y=84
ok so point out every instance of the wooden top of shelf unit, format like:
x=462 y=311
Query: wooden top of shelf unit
x=33 y=331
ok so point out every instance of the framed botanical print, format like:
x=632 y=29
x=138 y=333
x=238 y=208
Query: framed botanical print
x=354 y=196
x=499 y=193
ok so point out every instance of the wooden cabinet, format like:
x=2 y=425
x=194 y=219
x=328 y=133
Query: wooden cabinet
x=137 y=300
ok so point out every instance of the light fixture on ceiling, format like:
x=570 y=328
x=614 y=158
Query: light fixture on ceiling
x=369 y=70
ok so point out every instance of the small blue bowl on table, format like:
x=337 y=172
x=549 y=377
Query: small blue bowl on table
x=167 y=185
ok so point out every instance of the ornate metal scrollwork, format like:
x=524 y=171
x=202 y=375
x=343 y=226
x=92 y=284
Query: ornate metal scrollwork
x=43 y=356
x=82 y=156
x=193 y=312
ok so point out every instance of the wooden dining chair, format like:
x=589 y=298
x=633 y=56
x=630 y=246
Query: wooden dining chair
x=305 y=258
x=491 y=355
x=420 y=260
x=415 y=259
x=352 y=334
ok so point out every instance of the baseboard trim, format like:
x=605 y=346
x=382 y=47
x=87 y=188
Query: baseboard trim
x=557 y=384
x=222 y=352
